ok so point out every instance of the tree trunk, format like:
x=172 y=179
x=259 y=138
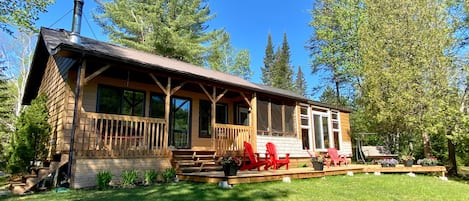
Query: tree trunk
x=426 y=145
x=453 y=167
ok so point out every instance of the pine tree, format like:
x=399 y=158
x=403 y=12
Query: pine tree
x=172 y=28
x=300 y=83
x=269 y=59
x=281 y=72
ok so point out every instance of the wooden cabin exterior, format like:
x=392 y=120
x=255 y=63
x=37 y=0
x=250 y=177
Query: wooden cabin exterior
x=117 y=109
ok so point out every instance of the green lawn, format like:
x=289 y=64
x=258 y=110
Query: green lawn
x=336 y=188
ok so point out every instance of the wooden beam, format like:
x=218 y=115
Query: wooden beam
x=206 y=93
x=159 y=84
x=221 y=95
x=167 y=106
x=175 y=89
x=253 y=122
x=214 y=113
x=95 y=74
x=246 y=99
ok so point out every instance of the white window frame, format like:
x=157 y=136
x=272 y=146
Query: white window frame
x=307 y=116
x=336 y=130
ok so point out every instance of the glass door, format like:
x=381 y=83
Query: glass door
x=179 y=130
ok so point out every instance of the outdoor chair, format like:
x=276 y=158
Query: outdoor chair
x=274 y=161
x=251 y=160
x=334 y=158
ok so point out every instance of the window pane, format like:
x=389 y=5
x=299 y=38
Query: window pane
x=222 y=114
x=336 y=140
x=305 y=138
x=276 y=118
x=325 y=129
x=262 y=124
x=204 y=118
x=157 y=106
x=133 y=103
x=335 y=116
x=109 y=100
x=335 y=124
x=317 y=132
x=304 y=110
x=289 y=117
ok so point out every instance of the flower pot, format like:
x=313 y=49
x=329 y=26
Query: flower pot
x=408 y=163
x=230 y=169
x=318 y=165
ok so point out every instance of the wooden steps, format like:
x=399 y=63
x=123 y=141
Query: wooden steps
x=185 y=161
x=29 y=181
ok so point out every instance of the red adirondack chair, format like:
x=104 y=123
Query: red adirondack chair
x=274 y=161
x=251 y=160
x=335 y=158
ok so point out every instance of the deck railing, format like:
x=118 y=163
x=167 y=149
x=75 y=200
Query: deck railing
x=230 y=137
x=109 y=135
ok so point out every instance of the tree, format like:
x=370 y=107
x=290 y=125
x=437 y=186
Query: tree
x=281 y=73
x=21 y=14
x=269 y=59
x=407 y=70
x=333 y=44
x=224 y=58
x=300 y=83
x=31 y=137
x=171 y=28
x=329 y=96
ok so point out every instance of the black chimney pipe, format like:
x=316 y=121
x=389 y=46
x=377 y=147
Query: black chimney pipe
x=76 y=24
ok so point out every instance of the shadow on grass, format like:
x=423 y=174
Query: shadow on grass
x=178 y=191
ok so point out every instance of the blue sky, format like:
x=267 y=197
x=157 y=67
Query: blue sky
x=247 y=21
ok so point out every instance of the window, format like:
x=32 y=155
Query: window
x=157 y=105
x=275 y=118
x=205 y=116
x=336 y=129
x=113 y=100
x=321 y=131
x=305 y=129
x=326 y=129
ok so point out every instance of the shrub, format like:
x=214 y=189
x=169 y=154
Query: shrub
x=103 y=177
x=129 y=177
x=168 y=174
x=150 y=176
x=31 y=136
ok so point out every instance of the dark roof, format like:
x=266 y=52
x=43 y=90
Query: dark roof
x=56 y=41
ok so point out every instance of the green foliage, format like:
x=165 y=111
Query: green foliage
x=129 y=177
x=150 y=176
x=31 y=137
x=300 y=83
x=282 y=73
x=168 y=174
x=224 y=58
x=172 y=28
x=21 y=14
x=269 y=59
x=334 y=42
x=103 y=178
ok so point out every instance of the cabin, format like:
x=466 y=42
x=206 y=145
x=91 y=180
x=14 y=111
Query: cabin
x=116 y=108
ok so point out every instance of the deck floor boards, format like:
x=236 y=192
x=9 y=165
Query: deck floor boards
x=253 y=176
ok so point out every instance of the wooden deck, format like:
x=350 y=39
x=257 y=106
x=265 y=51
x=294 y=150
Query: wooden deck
x=302 y=173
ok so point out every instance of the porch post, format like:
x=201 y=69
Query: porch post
x=213 y=115
x=76 y=117
x=167 y=107
x=253 y=122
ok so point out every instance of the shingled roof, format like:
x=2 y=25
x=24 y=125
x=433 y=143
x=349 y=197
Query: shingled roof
x=55 y=41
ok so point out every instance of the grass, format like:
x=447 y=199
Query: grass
x=358 y=187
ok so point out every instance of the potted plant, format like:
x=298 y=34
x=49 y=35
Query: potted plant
x=231 y=165
x=408 y=160
x=431 y=161
x=389 y=162
x=318 y=162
